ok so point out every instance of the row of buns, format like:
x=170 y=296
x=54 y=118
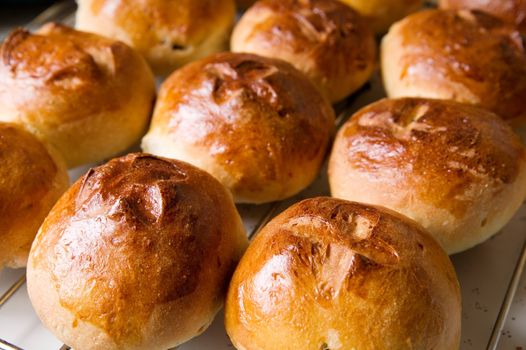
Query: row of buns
x=139 y=251
x=127 y=259
x=170 y=34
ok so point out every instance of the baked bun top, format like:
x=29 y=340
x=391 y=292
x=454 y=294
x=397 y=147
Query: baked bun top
x=183 y=22
x=32 y=178
x=80 y=71
x=511 y=11
x=332 y=274
x=88 y=96
x=381 y=14
x=168 y=33
x=326 y=39
x=457 y=169
x=463 y=55
x=421 y=135
x=139 y=248
x=27 y=173
x=255 y=123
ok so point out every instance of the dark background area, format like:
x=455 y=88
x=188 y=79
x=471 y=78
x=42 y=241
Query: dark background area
x=18 y=12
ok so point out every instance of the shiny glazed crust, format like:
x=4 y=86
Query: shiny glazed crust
x=167 y=33
x=325 y=39
x=332 y=274
x=32 y=178
x=256 y=124
x=511 y=11
x=88 y=96
x=380 y=14
x=137 y=254
x=467 y=56
x=456 y=169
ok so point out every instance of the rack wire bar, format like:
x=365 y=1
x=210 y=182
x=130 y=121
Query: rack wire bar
x=508 y=300
x=269 y=214
x=9 y=293
x=8 y=346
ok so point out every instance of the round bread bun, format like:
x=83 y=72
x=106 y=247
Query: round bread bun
x=332 y=274
x=167 y=33
x=256 y=124
x=466 y=56
x=88 y=96
x=325 y=39
x=511 y=11
x=382 y=13
x=32 y=178
x=456 y=169
x=136 y=255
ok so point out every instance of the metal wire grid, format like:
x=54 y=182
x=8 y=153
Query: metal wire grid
x=62 y=12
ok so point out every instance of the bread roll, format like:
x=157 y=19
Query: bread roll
x=88 y=96
x=32 y=178
x=325 y=39
x=136 y=255
x=465 y=56
x=256 y=124
x=456 y=169
x=511 y=11
x=167 y=33
x=332 y=274
x=382 y=13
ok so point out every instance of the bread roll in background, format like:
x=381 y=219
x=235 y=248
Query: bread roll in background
x=136 y=255
x=466 y=56
x=325 y=39
x=511 y=11
x=456 y=169
x=88 y=96
x=382 y=13
x=32 y=178
x=167 y=33
x=256 y=124
x=332 y=274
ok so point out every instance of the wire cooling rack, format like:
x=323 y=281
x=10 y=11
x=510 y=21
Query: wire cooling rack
x=490 y=274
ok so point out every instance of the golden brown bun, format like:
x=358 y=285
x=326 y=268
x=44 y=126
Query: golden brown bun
x=256 y=124
x=332 y=274
x=325 y=39
x=382 y=13
x=456 y=169
x=465 y=56
x=136 y=255
x=167 y=33
x=511 y=11
x=88 y=96
x=32 y=178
